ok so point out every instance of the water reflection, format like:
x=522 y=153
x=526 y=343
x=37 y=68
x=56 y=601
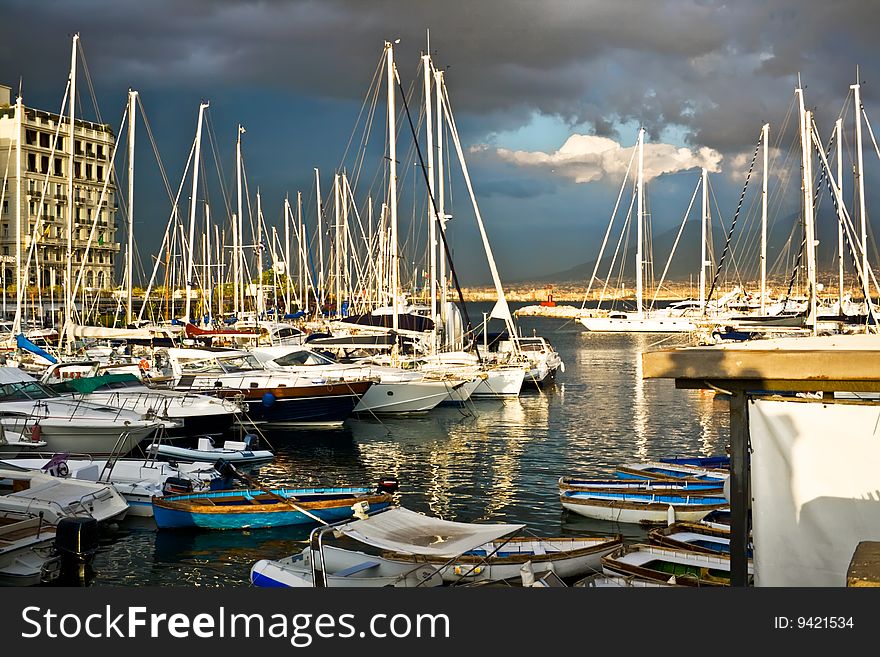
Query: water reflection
x=494 y=460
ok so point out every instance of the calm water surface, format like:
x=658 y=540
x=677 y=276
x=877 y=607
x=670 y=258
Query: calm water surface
x=491 y=461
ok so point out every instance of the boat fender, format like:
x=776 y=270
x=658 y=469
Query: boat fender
x=387 y=485
x=177 y=486
x=268 y=399
x=670 y=515
x=36 y=433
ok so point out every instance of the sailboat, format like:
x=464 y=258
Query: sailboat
x=640 y=321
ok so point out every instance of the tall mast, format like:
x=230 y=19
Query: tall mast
x=287 y=220
x=192 y=212
x=209 y=290
x=432 y=219
x=640 y=209
x=807 y=184
x=260 y=301
x=765 y=136
x=838 y=127
x=337 y=246
x=346 y=266
x=19 y=120
x=236 y=230
x=320 y=301
x=129 y=265
x=392 y=184
x=704 y=220
x=300 y=237
x=863 y=215
x=68 y=274
x=441 y=208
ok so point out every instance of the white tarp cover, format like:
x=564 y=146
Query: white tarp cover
x=815 y=488
x=82 y=331
x=14 y=375
x=402 y=530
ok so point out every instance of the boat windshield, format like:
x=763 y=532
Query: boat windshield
x=24 y=391
x=243 y=363
x=303 y=357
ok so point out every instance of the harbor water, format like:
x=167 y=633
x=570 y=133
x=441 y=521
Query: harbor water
x=490 y=461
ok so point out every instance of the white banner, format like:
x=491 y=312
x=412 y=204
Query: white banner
x=815 y=488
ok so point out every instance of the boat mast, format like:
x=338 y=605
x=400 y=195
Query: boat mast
x=192 y=212
x=320 y=301
x=337 y=246
x=640 y=209
x=838 y=127
x=704 y=220
x=441 y=209
x=807 y=183
x=287 y=219
x=765 y=135
x=236 y=232
x=392 y=185
x=19 y=120
x=432 y=219
x=208 y=290
x=300 y=240
x=68 y=274
x=863 y=215
x=129 y=265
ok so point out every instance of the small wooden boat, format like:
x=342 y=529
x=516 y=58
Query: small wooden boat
x=252 y=508
x=241 y=452
x=664 y=564
x=661 y=470
x=688 y=486
x=342 y=568
x=694 y=536
x=640 y=508
x=503 y=559
x=715 y=462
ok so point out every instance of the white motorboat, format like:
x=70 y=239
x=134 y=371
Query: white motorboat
x=138 y=480
x=13 y=444
x=189 y=414
x=29 y=408
x=27 y=550
x=495 y=381
x=31 y=491
x=395 y=391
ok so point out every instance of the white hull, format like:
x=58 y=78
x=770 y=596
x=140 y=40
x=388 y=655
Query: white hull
x=501 y=383
x=27 y=555
x=634 y=324
x=462 y=393
x=96 y=437
x=636 y=516
x=404 y=396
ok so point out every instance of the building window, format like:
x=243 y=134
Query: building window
x=6 y=252
x=30 y=137
x=77 y=169
x=32 y=162
x=100 y=172
x=44 y=140
x=5 y=206
x=89 y=171
x=78 y=147
x=59 y=143
x=100 y=148
x=59 y=171
x=44 y=164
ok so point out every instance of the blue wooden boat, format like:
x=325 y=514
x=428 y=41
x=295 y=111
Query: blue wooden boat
x=686 y=486
x=719 y=462
x=661 y=470
x=253 y=508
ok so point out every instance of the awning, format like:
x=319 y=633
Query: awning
x=402 y=530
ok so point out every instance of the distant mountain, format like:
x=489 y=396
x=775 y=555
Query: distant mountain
x=684 y=266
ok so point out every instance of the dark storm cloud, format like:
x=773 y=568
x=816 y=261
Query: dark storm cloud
x=717 y=69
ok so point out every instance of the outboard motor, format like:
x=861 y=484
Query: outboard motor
x=387 y=485
x=76 y=542
x=252 y=441
x=177 y=486
x=227 y=474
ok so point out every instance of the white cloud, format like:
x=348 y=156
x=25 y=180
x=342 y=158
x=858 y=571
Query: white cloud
x=587 y=158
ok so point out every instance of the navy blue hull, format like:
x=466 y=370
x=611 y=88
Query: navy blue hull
x=319 y=410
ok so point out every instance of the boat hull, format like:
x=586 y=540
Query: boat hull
x=319 y=404
x=636 y=325
x=403 y=397
x=253 y=509
x=639 y=509
x=501 y=383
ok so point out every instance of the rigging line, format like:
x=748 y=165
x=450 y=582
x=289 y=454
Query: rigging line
x=624 y=235
x=675 y=243
x=733 y=224
x=436 y=212
x=608 y=230
x=850 y=231
x=374 y=82
x=737 y=275
x=85 y=66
